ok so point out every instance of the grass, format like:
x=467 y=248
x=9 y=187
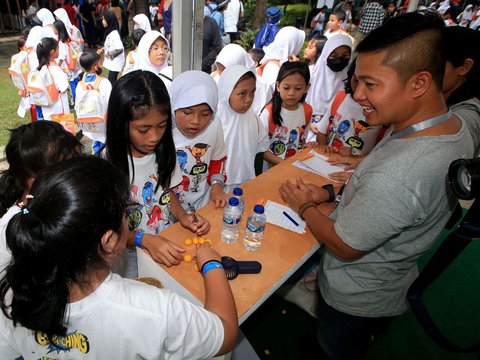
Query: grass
x=9 y=101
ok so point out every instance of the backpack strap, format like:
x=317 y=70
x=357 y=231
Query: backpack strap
x=262 y=66
x=271 y=124
x=308 y=111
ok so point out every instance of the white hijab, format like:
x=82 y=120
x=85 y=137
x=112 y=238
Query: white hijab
x=34 y=37
x=143 y=22
x=62 y=15
x=143 y=61
x=233 y=54
x=288 y=41
x=47 y=20
x=325 y=83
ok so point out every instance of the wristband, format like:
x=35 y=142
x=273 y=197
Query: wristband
x=217 y=181
x=306 y=205
x=210 y=265
x=138 y=238
x=331 y=192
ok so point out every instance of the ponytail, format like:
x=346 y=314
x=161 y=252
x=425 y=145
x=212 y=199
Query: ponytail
x=44 y=48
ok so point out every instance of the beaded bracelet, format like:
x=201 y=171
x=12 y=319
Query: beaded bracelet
x=210 y=265
x=306 y=205
x=138 y=238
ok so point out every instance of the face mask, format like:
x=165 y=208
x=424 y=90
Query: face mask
x=337 y=64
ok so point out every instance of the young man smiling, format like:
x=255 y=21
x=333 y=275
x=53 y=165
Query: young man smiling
x=398 y=200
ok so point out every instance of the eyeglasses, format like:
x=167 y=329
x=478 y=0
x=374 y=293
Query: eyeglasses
x=163 y=49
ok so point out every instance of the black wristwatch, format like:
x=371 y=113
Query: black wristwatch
x=331 y=192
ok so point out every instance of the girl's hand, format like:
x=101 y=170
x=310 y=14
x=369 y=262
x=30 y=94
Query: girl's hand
x=310 y=145
x=327 y=150
x=200 y=227
x=162 y=250
x=295 y=194
x=206 y=253
x=218 y=197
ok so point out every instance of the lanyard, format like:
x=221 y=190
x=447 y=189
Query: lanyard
x=426 y=124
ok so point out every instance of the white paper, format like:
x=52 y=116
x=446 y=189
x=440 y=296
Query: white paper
x=318 y=164
x=274 y=212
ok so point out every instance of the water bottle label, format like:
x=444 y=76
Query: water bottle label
x=230 y=220
x=254 y=228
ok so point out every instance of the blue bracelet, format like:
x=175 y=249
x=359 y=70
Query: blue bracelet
x=210 y=266
x=138 y=239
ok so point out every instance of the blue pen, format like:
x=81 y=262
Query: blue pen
x=290 y=218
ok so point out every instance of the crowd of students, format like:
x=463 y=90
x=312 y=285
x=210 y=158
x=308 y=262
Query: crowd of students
x=164 y=143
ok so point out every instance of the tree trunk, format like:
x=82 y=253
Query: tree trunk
x=141 y=7
x=259 y=13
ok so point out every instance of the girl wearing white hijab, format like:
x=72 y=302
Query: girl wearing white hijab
x=142 y=22
x=198 y=138
x=73 y=32
x=233 y=54
x=46 y=18
x=35 y=35
x=244 y=135
x=466 y=16
x=152 y=54
x=328 y=75
x=287 y=44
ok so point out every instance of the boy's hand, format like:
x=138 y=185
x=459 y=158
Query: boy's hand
x=206 y=253
x=218 y=197
x=199 y=227
x=162 y=250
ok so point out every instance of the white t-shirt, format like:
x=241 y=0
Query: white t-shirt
x=348 y=127
x=231 y=15
x=5 y=254
x=122 y=319
x=62 y=55
x=114 y=42
x=97 y=130
x=152 y=212
x=61 y=106
x=194 y=156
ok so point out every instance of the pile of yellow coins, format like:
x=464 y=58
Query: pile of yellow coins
x=195 y=241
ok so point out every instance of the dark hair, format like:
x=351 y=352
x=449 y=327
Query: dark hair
x=137 y=35
x=26 y=31
x=320 y=41
x=89 y=59
x=112 y=22
x=32 y=148
x=132 y=98
x=412 y=43
x=21 y=42
x=55 y=240
x=347 y=83
x=44 y=48
x=340 y=14
x=459 y=45
x=257 y=54
x=288 y=68
x=62 y=30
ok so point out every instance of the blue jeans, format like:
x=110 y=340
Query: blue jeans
x=344 y=336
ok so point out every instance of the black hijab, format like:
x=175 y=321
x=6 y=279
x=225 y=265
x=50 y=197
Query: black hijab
x=112 y=22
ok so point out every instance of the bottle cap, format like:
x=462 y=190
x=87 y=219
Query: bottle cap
x=233 y=201
x=238 y=191
x=258 y=209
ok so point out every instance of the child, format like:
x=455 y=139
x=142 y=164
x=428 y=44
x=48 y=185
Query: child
x=19 y=70
x=313 y=50
x=285 y=47
x=113 y=49
x=287 y=115
x=46 y=18
x=93 y=128
x=73 y=32
x=47 y=52
x=76 y=220
x=256 y=55
x=267 y=33
x=334 y=25
x=198 y=138
x=317 y=23
x=152 y=55
x=140 y=143
x=390 y=12
x=327 y=77
x=141 y=22
x=31 y=149
x=62 y=37
x=243 y=133
x=137 y=35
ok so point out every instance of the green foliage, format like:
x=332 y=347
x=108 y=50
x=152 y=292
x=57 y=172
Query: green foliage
x=9 y=100
x=292 y=12
x=247 y=38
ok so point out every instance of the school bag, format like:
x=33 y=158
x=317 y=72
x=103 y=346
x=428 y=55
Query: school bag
x=41 y=87
x=262 y=66
x=89 y=106
x=74 y=51
x=307 y=110
x=19 y=70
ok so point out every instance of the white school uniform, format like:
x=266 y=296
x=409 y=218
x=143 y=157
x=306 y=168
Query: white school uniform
x=61 y=106
x=114 y=42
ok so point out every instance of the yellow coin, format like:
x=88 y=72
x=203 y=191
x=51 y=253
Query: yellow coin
x=187 y=258
x=208 y=241
x=188 y=242
x=195 y=240
x=201 y=241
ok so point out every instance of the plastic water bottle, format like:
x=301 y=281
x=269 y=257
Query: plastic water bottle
x=231 y=221
x=255 y=228
x=238 y=193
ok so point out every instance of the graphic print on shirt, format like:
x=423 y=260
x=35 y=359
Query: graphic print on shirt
x=134 y=213
x=64 y=344
x=355 y=142
x=198 y=168
x=182 y=160
x=181 y=188
x=284 y=143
